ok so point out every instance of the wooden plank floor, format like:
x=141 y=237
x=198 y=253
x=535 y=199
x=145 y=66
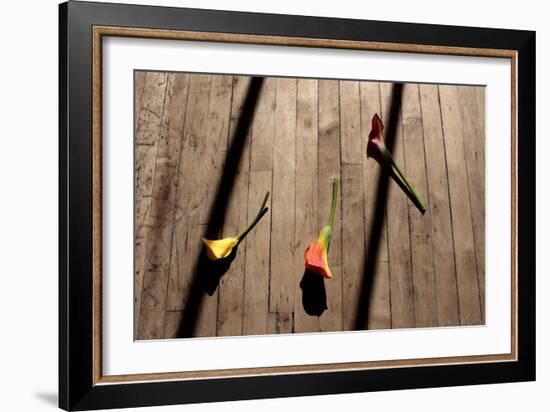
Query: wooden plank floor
x=208 y=147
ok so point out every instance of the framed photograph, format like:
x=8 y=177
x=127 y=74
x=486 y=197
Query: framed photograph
x=256 y=205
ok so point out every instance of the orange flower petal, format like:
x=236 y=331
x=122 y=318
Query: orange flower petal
x=315 y=258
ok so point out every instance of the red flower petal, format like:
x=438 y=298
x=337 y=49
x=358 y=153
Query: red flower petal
x=377 y=127
x=375 y=144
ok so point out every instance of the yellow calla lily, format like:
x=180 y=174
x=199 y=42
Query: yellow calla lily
x=219 y=249
x=222 y=248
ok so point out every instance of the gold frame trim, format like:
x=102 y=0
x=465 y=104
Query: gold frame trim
x=101 y=31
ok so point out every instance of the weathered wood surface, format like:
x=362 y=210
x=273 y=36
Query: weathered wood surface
x=429 y=269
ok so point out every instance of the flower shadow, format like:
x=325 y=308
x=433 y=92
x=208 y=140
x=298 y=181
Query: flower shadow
x=211 y=272
x=314 y=295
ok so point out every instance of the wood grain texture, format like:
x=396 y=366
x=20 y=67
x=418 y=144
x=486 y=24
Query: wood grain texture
x=281 y=285
x=187 y=231
x=280 y=322
x=307 y=192
x=425 y=306
x=215 y=140
x=474 y=153
x=158 y=248
x=353 y=240
x=230 y=299
x=154 y=88
x=379 y=314
x=328 y=170
x=140 y=78
x=461 y=214
x=399 y=248
x=350 y=122
x=256 y=273
x=439 y=208
x=302 y=134
x=261 y=157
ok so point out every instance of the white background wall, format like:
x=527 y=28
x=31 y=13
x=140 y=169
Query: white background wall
x=28 y=203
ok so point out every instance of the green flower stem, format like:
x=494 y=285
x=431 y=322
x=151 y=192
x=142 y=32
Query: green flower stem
x=413 y=192
x=326 y=232
x=416 y=198
x=259 y=215
x=406 y=190
x=335 y=184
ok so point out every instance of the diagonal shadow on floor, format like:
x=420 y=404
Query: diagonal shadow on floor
x=375 y=234
x=206 y=274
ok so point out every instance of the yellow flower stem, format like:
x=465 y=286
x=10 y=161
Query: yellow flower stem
x=259 y=215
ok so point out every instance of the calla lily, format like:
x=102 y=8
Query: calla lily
x=222 y=248
x=378 y=150
x=316 y=254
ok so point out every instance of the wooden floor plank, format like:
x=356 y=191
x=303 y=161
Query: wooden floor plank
x=261 y=157
x=306 y=207
x=187 y=246
x=225 y=305
x=207 y=137
x=280 y=323
x=205 y=322
x=353 y=240
x=438 y=207
x=187 y=230
x=140 y=77
x=379 y=308
x=425 y=308
x=215 y=141
x=241 y=89
x=230 y=290
x=399 y=251
x=172 y=323
x=329 y=169
x=256 y=270
x=468 y=289
x=158 y=247
x=480 y=103
x=226 y=308
x=333 y=318
x=281 y=288
x=350 y=122
x=353 y=234
x=212 y=162
x=474 y=137
x=231 y=300
x=152 y=105
x=146 y=147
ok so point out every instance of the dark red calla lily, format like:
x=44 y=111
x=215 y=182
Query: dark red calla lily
x=378 y=150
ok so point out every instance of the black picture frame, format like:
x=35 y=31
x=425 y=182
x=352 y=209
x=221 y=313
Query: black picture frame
x=77 y=390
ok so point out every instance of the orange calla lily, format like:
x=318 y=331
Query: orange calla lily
x=316 y=254
x=378 y=150
x=222 y=248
